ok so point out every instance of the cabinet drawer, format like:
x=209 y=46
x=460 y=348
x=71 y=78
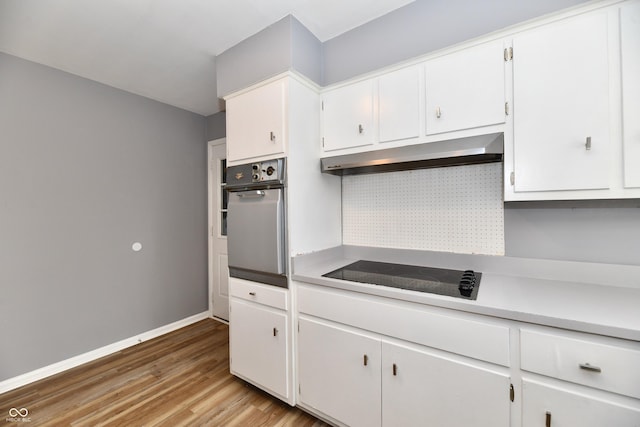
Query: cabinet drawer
x=437 y=328
x=272 y=296
x=605 y=366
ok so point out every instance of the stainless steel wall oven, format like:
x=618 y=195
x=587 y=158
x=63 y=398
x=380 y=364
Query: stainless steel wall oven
x=256 y=224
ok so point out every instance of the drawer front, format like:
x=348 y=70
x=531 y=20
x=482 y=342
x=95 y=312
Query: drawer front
x=271 y=296
x=583 y=361
x=437 y=328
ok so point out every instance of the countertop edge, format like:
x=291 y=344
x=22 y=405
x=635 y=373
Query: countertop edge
x=309 y=269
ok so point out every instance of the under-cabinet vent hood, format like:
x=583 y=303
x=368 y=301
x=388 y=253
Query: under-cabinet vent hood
x=453 y=152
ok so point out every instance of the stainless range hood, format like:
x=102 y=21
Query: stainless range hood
x=453 y=152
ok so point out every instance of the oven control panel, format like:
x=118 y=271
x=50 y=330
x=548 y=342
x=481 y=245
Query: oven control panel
x=268 y=173
x=269 y=170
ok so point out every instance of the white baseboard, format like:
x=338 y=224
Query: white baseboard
x=55 y=368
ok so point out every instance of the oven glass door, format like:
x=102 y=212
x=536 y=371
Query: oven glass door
x=256 y=233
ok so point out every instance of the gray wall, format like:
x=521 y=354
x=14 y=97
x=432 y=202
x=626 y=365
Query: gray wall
x=589 y=231
x=216 y=126
x=306 y=52
x=256 y=58
x=85 y=171
x=421 y=27
x=418 y=28
x=283 y=46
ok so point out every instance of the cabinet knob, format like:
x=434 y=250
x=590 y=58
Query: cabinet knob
x=547 y=420
x=253 y=294
x=360 y=129
x=438 y=112
x=395 y=370
x=272 y=136
x=587 y=144
x=275 y=332
x=365 y=360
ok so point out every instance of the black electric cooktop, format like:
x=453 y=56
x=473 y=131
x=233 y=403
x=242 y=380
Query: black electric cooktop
x=453 y=283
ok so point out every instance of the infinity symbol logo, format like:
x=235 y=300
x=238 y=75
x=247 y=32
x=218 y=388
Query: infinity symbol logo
x=15 y=412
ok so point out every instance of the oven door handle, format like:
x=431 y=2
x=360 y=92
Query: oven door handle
x=251 y=194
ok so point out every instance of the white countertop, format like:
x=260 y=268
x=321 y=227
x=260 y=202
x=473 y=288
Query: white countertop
x=604 y=299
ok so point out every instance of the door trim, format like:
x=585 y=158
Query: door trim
x=212 y=224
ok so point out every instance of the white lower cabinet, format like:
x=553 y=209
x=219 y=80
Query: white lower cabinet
x=576 y=379
x=259 y=343
x=544 y=405
x=361 y=379
x=339 y=373
x=423 y=389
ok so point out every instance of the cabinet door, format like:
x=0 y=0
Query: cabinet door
x=258 y=346
x=348 y=116
x=428 y=390
x=561 y=105
x=339 y=373
x=399 y=105
x=545 y=405
x=256 y=122
x=630 y=33
x=466 y=89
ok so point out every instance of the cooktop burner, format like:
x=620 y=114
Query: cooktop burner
x=454 y=283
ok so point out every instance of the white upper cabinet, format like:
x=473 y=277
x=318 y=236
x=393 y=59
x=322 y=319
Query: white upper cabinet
x=561 y=105
x=348 y=116
x=399 y=104
x=630 y=40
x=257 y=122
x=466 y=89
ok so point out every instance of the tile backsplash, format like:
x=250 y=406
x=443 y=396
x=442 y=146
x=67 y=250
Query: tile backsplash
x=454 y=209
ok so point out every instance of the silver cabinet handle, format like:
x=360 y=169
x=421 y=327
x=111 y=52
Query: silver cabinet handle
x=590 y=368
x=360 y=129
x=438 y=112
x=272 y=136
x=587 y=145
x=251 y=194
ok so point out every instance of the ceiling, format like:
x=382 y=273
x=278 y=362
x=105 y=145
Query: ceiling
x=161 y=49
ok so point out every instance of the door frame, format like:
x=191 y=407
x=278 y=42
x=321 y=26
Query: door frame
x=213 y=221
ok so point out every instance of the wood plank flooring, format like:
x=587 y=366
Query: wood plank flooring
x=179 y=379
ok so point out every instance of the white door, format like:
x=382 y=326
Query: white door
x=630 y=35
x=422 y=389
x=258 y=346
x=347 y=114
x=218 y=267
x=466 y=89
x=561 y=105
x=256 y=122
x=399 y=104
x=339 y=373
x=554 y=406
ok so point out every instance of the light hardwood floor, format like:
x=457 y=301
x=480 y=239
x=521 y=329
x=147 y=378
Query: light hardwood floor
x=179 y=379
